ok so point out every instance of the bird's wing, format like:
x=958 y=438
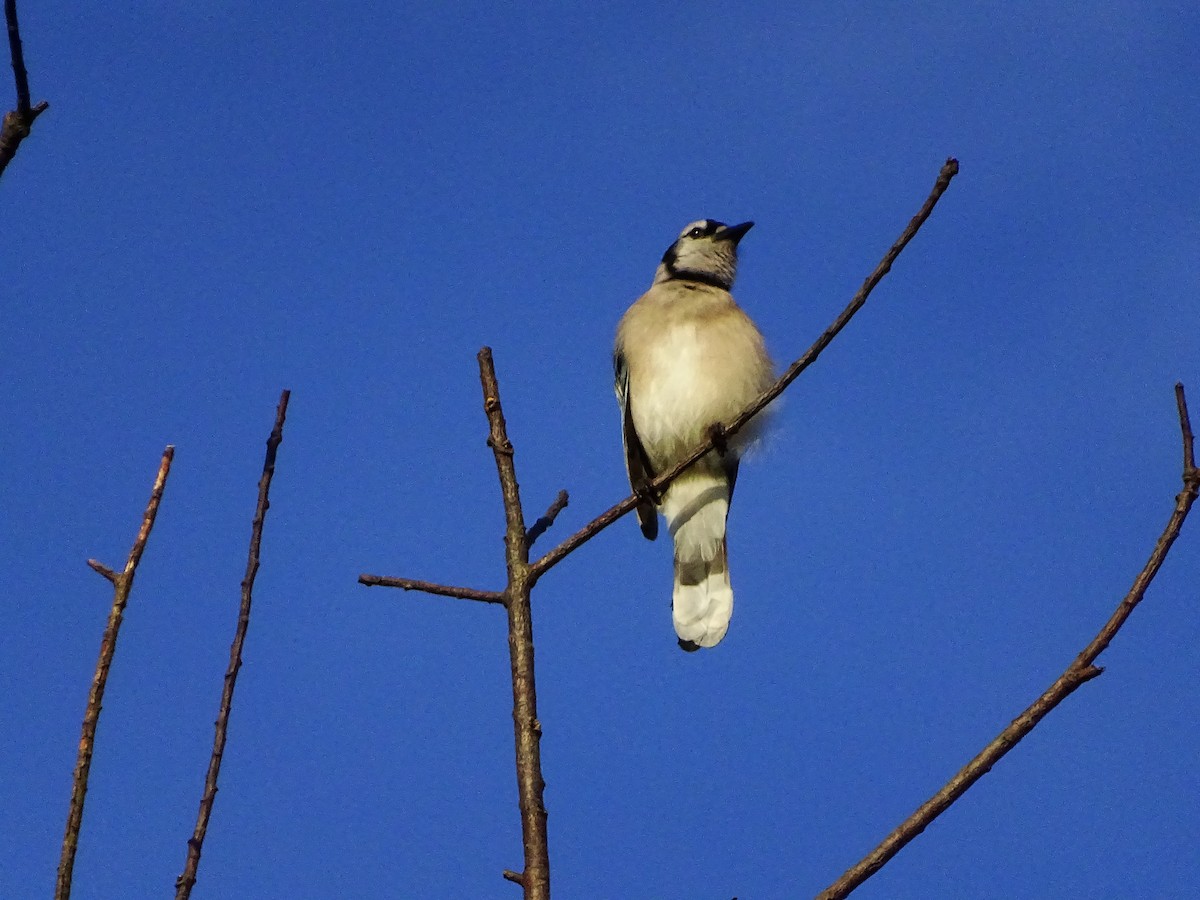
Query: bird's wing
x=637 y=464
x=730 y=464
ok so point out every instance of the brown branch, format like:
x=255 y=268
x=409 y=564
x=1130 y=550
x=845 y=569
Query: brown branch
x=17 y=122
x=429 y=587
x=122 y=584
x=539 y=527
x=185 y=882
x=1077 y=673
x=527 y=731
x=101 y=569
x=555 y=556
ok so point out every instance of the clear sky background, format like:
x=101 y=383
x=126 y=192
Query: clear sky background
x=225 y=200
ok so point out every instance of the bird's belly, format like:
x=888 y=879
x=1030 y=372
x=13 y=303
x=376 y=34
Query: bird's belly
x=689 y=385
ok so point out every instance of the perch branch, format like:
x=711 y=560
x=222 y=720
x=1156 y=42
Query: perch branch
x=429 y=587
x=555 y=556
x=1077 y=673
x=527 y=731
x=122 y=584
x=185 y=882
x=17 y=122
x=539 y=527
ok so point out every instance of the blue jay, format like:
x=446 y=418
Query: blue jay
x=687 y=358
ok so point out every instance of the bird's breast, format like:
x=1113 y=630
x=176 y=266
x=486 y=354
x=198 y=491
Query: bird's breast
x=696 y=371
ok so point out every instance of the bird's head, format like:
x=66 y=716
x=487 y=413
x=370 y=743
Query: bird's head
x=706 y=251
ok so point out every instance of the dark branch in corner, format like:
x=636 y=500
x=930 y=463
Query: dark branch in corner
x=659 y=484
x=122 y=583
x=1077 y=673
x=185 y=882
x=17 y=122
x=541 y=525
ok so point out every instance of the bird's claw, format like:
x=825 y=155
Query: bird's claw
x=646 y=492
x=719 y=439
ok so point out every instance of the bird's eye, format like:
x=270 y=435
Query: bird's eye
x=696 y=232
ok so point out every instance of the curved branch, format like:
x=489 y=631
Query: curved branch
x=1077 y=673
x=185 y=882
x=553 y=557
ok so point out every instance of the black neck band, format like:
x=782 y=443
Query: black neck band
x=701 y=277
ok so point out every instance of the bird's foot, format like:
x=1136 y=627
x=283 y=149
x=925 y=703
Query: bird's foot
x=719 y=439
x=648 y=493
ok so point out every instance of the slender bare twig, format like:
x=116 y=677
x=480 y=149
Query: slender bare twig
x=539 y=527
x=122 y=583
x=527 y=730
x=555 y=556
x=17 y=122
x=430 y=587
x=1077 y=673
x=185 y=882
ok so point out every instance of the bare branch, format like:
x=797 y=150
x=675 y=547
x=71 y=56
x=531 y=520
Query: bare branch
x=185 y=882
x=1077 y=673
x=17 y=122
x=1185 y=425
x=122 y=584
x=539 y=527
x=527 y=731
x=429 y=587
x=102 y=570
x=555 y=556
x=18 y=56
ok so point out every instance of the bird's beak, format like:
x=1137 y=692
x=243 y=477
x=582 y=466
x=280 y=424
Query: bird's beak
x=733 y=232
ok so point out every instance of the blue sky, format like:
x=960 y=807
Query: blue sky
x=348 y=202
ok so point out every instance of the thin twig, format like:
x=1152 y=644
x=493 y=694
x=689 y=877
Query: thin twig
x=17 y=122
x=1077 y=673
x=429 y=587
x=102 y=570
x=185 y=882
x=527 y=731
x=18 y=56
x=539 y=527
x=555 y=556
x=122 y=584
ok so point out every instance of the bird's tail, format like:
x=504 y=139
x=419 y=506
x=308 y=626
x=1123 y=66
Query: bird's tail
x=702 y=602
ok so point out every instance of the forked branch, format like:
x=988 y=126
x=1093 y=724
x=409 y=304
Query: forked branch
x=122 y=583
x=535 y=878
x=1082 y=670
x=527 y=730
